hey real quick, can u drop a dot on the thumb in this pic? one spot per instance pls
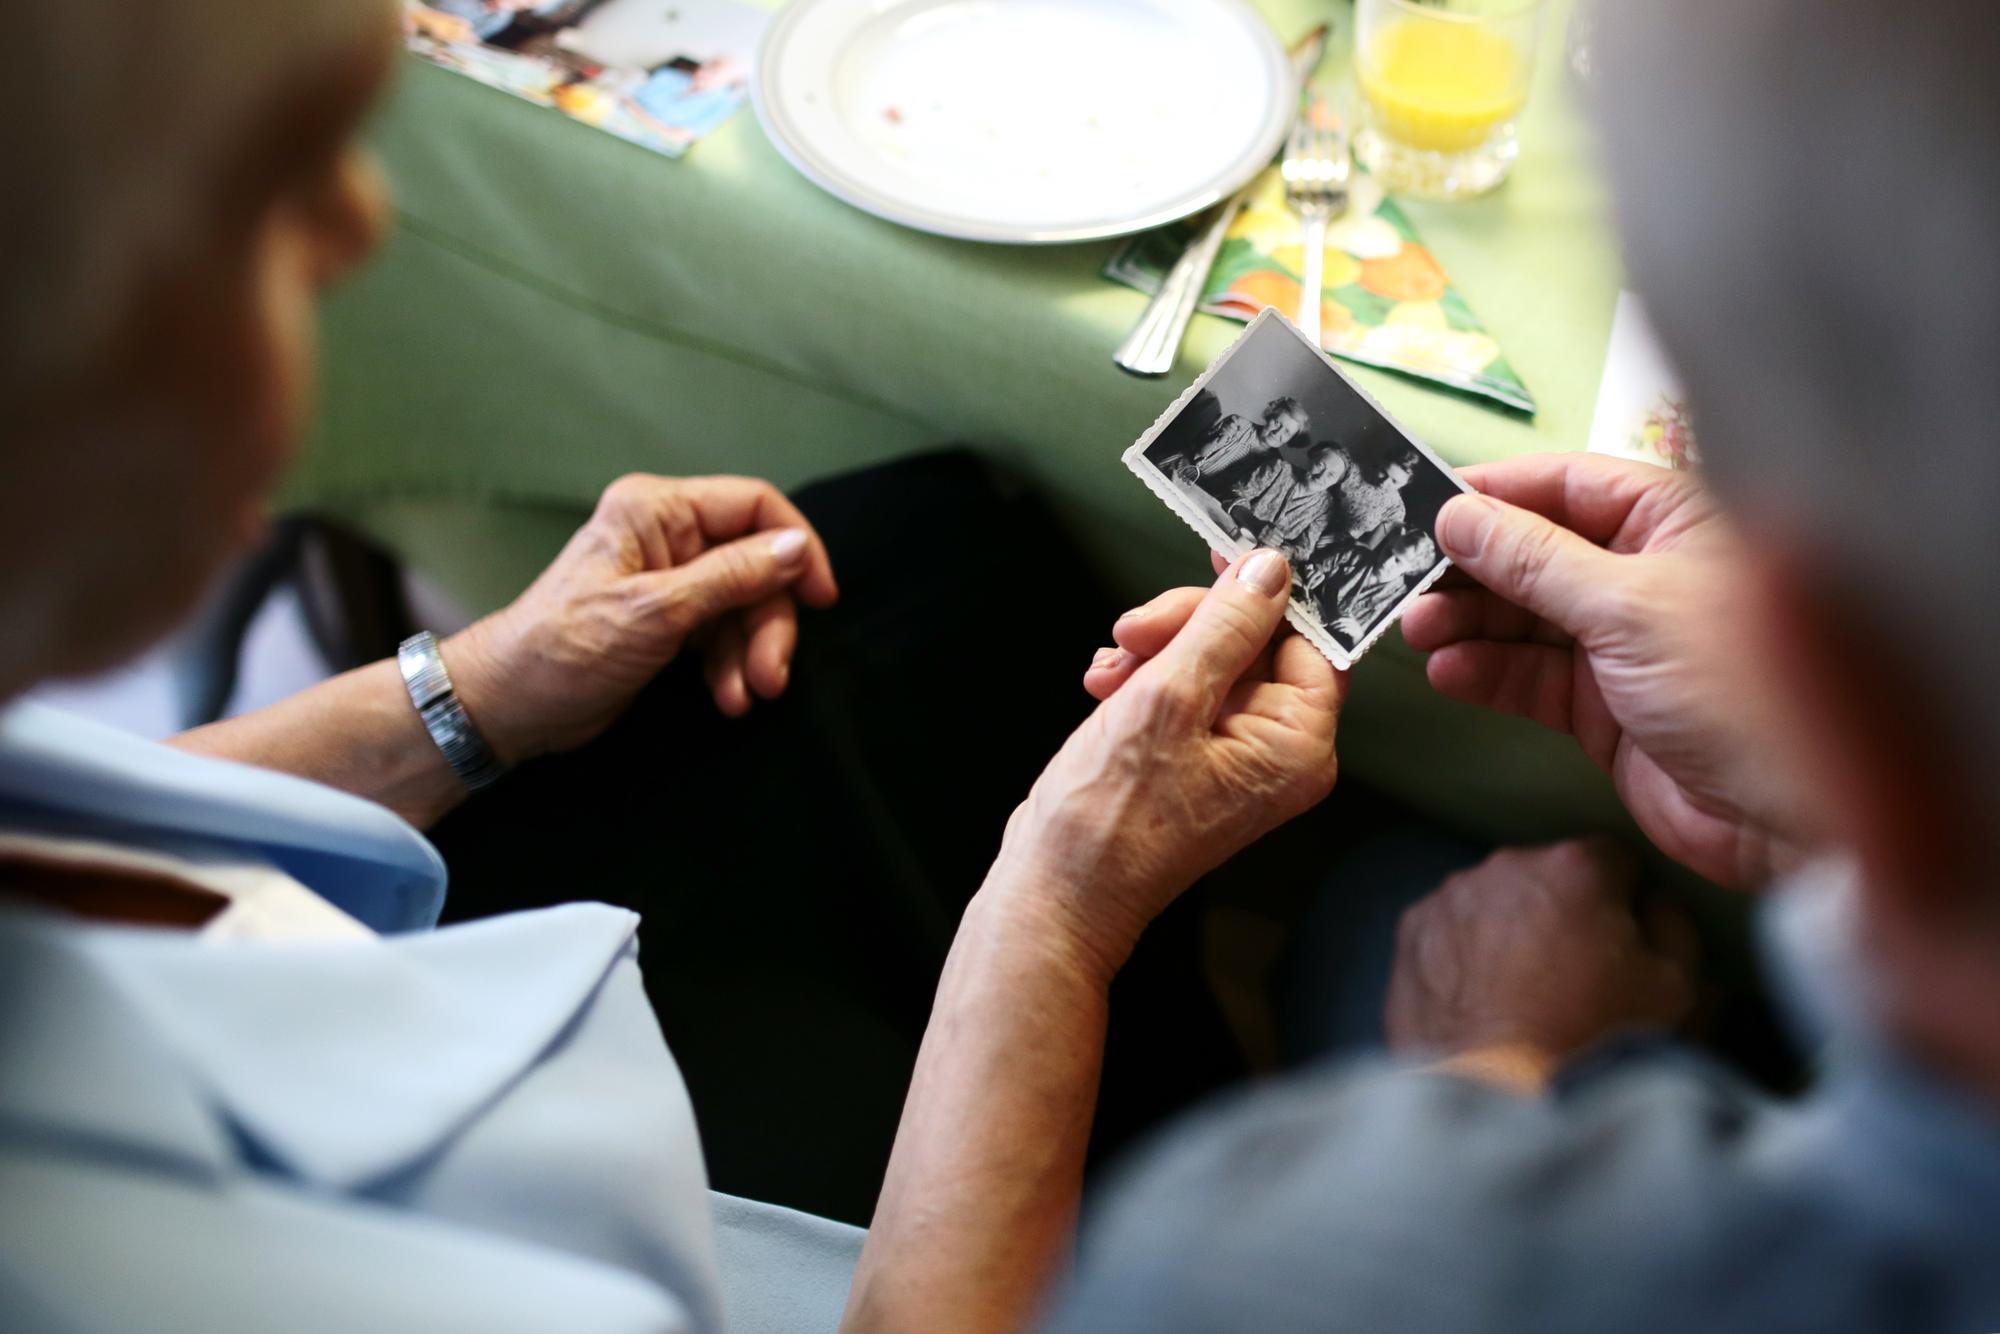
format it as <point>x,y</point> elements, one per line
<point>725,578</point>
<point>1228,628</point>
<point>1533,563</point>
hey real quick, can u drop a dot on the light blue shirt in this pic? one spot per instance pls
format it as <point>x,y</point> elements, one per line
<point>474,1128</point>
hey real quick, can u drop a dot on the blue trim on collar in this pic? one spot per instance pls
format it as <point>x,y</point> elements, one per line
<point>357,855</point>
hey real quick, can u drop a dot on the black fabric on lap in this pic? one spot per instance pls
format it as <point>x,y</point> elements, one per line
<point>801,870</point>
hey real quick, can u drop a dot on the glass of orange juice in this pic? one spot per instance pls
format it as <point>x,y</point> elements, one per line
<point>1441,82</point>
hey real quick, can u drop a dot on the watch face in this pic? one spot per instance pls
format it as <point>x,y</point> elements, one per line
<point>423,670</point>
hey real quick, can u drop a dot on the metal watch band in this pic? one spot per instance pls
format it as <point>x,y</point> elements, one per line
<point>444,717</point>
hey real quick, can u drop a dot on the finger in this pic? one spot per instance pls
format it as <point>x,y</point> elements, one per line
<point>1528,560</point>
<point>1533,680</point>
<point>730,577</point>
<point>1304,690</point>
<point>1299,667</point>
<point>1670,931</point>
<point>730,507</point>
<point>1137,636</point>
<point>1228,629</point>
<point>1303,685</point>
<point>653,512</point>
<point>772,629</point>
<point>1111,668</point>
<point>1599,865</point>
<point>676,518</point>
<point>1259,669</point>
<point>1446,616</point>
<point>1218,561</point>
<point>1258,673</point>
<point>1593,495</point>
<point>1148,629</point>
<point>1674,988</point>
<point>722,665</point>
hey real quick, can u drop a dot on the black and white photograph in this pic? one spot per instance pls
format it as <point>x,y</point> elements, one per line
<point>1274,446</point>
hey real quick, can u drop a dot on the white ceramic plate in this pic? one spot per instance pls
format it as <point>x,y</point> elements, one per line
<point>1025,121</point>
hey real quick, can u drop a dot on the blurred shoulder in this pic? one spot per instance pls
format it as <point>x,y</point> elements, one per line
<point>1378,1198</point>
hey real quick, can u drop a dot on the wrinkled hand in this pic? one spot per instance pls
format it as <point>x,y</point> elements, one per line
<point>1537,950</point>
<point>1210,733</point>
<point>1601,606</point>
<point>662,561</point>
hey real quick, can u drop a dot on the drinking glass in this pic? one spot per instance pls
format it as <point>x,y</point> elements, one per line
<point>1441,82</point>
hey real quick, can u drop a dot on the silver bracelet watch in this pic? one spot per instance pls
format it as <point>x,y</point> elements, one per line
<point>444,717</point>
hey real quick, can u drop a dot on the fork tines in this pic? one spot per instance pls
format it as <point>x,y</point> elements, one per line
<point>1315,165</point>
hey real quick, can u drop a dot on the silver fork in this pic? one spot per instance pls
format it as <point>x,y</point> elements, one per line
<point>1315,169</point>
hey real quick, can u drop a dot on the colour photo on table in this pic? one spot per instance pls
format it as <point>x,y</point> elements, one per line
<point>1274,447</point>
<point>660,75</point>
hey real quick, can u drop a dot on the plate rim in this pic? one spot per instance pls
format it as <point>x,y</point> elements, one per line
<point>783,136</point>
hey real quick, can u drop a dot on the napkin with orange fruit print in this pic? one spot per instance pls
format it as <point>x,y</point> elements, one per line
<point>1388,302</point>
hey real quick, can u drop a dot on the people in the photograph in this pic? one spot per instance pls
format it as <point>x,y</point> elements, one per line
<point>476,20</point>
<point>1355,585</point>
<point>1369,505</point>
<point>1235,445</point>
<point>1284,503</point>
<point>682,99</point>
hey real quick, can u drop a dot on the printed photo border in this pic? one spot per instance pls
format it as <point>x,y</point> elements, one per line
<point>1303,616</point>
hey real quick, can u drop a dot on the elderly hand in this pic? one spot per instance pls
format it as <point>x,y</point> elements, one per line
<point>1209,735</point>
<point>1538,953</point>
<point>1603,611</point>
<point>662,560</point>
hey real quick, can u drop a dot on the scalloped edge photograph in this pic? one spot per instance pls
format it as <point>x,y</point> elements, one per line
<point>1283,364</point>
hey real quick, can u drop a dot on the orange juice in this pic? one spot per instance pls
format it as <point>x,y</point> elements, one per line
<point>1440,86</point>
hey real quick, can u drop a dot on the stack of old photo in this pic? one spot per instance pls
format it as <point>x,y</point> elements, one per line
<point>1274,447</point>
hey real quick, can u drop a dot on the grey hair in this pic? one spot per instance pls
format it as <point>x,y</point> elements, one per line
<point>113,117</point>
<point>1810,196</point>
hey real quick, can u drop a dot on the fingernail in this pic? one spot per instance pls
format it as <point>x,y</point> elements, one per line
<point>788,547</point>
<point>1265,572</point>
<point>1136,611</point>
<point>1107,658</point>
<point>1463,524</point>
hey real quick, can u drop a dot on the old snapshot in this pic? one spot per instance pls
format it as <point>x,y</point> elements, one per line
<point>1274,447</point>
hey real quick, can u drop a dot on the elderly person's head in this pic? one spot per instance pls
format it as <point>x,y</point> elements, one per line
<point>1810,195</point>
<point>181,182</point>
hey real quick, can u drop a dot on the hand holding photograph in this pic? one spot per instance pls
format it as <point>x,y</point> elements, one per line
<point>1273,446</point>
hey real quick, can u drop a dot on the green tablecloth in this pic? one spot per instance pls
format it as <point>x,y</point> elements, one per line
<point>557,307</point>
